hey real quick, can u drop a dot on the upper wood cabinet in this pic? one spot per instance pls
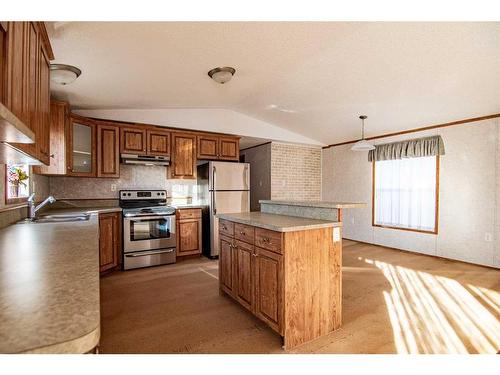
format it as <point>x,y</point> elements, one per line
<point>26,82</point>
<point>183,163</point>
<point>81,147</point>
<point>108,155</point>
<point>59,124</point>
<point>133,140</point>
<point>158,142</point>
<point>213,147</point>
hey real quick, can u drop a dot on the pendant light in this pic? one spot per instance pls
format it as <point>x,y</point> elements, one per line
<point>362,145</point>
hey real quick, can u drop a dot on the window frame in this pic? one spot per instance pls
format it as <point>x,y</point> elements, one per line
<point>17,200</point>
<point>436,211</point>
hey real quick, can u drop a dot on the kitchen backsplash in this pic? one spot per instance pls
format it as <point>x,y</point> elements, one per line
<point>131,177</point>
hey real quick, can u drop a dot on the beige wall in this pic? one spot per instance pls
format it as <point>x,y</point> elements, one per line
<point>131,177</point>
<point>295,172</point>
<point>469,195</point>
<point>260,173</point>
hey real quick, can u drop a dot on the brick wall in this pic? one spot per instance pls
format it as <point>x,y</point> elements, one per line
<point>295,172</point>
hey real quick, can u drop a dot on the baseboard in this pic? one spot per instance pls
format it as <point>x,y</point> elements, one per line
<point>428,255</point>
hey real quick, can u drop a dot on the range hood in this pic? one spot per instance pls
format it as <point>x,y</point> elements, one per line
<point>145,159</point>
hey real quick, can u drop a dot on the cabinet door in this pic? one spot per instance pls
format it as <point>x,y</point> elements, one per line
<point>133,141</point>
<point>244,254</point>
<point>158,142</point>
<point>43,107</point>
<point>226,263</point>
<point>183,156</point>
<point>59,123</point>
<point>16,78</point>
<point>81,148</point>
<point>208,147</point>
<point>108,153</point>
<point>229,148</point>
<point>109,241</point>
<point>269,287</point>
<point>189,233</point>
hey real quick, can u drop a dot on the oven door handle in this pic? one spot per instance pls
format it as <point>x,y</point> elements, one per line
<point>141,218</point>
<point>149,215</point>
<point>146,253</point>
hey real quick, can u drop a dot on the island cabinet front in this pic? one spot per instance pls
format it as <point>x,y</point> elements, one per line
<point>290,280</point>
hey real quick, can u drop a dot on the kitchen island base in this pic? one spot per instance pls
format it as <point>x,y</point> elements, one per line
<point>291,280</point>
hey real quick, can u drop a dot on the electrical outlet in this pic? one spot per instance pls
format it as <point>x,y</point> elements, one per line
<point>260,183</point>
<point>488,237</point>
<point>352,220</point>
<point>113,187</point>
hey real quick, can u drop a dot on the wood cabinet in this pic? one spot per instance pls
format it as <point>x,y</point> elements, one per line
<point>81,147</point>
<point>109,241</point>
<point>183,160</point>
<point>289,280</point>
<point>189,231</point>
<point>59,124</point>
<point>158,142</point>
<point>108,155</point>
<point>213,147</point>
<point>133,140</point>
<point>26,82</point>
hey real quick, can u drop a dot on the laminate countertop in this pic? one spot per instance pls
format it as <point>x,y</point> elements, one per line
<point>278,223</point>
<point>49,287</point>
<point>315,204</point>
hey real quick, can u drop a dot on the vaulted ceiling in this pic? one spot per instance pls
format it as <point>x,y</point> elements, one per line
<point>313,79</point>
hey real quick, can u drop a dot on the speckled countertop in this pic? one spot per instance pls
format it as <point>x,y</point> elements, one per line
<point>49,287</point>
<point>279,223</point>
<point>318,204</point>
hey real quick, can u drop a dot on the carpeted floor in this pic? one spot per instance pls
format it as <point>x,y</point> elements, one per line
<point>393,302</point>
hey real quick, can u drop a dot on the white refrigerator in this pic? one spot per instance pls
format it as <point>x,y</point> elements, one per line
<point>224,187</point>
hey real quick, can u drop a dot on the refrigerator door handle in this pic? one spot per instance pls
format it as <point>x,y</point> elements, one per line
<point>214,174</point>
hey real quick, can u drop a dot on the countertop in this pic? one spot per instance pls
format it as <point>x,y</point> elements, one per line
<point>278,223</point>
<point>318,204</point>
<point>49,287</point>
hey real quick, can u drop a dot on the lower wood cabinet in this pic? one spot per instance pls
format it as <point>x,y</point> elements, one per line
<point>109,241</point>
<point>189,231</point>
<point>290,280</point>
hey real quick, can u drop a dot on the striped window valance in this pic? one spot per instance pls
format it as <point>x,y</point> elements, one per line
<point>411,148</point>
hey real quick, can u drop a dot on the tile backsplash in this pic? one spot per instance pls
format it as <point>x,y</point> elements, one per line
<point>131,177</point>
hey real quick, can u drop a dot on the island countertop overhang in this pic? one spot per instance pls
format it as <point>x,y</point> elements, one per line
<point>315,204</point>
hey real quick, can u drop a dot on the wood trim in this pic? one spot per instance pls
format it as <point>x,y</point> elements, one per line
<point>436,207</point>
<point>44,37</point>
<point>459,122</point>
<point>423,254</point>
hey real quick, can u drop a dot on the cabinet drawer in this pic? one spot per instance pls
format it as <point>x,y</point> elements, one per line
<point>268,239</point>
<point>244,233</point>
<point>189,213</point>
<point>226,227</point>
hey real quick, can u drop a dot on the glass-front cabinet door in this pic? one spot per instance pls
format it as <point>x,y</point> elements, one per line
<point>81,148</point>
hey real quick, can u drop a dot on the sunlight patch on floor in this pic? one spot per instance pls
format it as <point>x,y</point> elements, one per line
<point>435,314</point>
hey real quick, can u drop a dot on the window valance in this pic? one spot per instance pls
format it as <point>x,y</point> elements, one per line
<point>411,148</point>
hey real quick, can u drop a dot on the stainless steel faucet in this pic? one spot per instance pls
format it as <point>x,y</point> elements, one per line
<point>32,209</point>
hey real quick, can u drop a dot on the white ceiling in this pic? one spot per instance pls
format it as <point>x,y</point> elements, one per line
<point>313,79</point>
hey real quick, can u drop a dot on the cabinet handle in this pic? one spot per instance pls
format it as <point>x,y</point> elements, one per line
<point>52,156</point>
<point>224,227</point>
<point>242,233</point>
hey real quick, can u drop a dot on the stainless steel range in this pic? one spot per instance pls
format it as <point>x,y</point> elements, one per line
<point>148,228</point>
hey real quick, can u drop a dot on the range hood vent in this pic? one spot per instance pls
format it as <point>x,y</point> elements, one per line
<point>145,159</point>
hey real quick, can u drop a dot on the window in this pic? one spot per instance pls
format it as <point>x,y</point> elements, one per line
<point>405,193</point>
<point>16,183</point>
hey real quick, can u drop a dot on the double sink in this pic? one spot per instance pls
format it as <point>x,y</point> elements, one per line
<point>61,218</point>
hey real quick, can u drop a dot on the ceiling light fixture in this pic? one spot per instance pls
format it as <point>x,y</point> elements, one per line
<point>63,74</point>
<point>363,144</point>
<point>222,74</point>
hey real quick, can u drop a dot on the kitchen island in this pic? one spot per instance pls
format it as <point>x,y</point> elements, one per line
<point>285,270</point>
<point>49,289</point>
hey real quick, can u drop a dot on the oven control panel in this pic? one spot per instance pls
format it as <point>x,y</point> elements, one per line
<point>142,194</point>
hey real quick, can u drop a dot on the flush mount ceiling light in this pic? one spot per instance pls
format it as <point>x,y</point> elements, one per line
<point>63,74</point>
<point>362,145</point>
<point>222,74</point>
